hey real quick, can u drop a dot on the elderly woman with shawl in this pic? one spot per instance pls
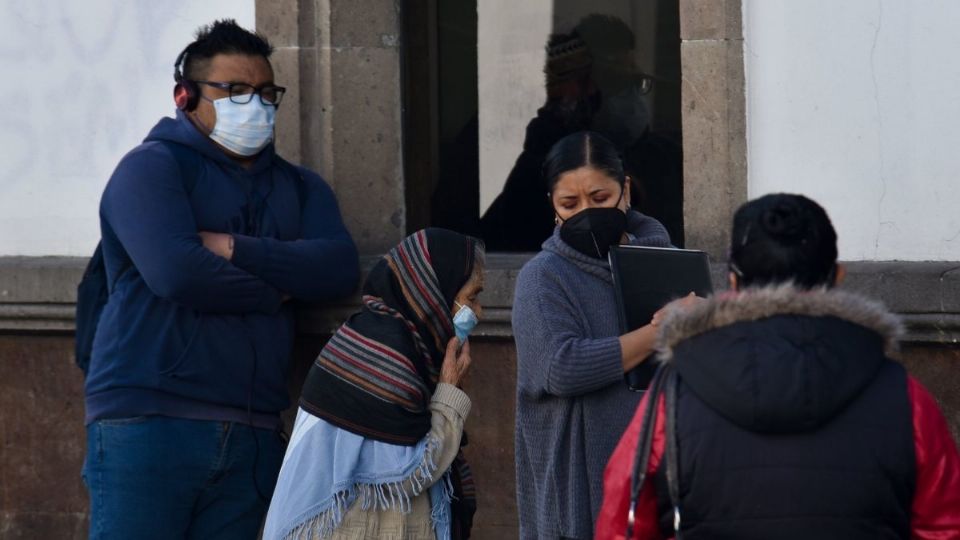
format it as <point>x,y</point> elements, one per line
<point>375,450</point>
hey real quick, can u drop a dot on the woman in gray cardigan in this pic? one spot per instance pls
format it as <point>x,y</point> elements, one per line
<point>572,402</point>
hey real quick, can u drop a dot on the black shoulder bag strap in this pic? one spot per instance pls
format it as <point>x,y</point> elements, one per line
<point>642,460</point>
<point>671,454</point>
<point>664,382</point>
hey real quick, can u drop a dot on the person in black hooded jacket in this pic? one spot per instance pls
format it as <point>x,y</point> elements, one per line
<point>787,416</point>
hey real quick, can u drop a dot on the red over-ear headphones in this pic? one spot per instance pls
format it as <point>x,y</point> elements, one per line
<point>186,94</point>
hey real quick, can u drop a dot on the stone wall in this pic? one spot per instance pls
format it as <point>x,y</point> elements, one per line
<point>42,439</point>
<point>714,121</point>
<point>343,117</point>
<point>43,442</point>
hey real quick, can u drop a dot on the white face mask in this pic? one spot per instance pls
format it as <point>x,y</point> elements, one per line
<point>243,129</point>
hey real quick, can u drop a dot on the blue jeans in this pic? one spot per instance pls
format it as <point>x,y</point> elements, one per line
<point>159,477</point>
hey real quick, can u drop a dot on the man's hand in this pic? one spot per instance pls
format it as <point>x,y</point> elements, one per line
<point>219,243</point>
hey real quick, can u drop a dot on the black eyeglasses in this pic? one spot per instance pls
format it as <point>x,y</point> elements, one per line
<point>242,93</point>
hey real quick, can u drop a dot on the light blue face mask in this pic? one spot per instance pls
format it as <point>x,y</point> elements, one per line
<point>244,129</point>
<point>464,322</point>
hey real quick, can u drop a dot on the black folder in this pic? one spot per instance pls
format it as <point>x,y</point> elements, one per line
<point>646,279</point>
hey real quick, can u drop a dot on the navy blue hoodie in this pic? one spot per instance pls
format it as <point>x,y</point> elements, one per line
<point>185,332</point>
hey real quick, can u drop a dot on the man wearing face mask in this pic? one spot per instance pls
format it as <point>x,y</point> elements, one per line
<point>207,233</point>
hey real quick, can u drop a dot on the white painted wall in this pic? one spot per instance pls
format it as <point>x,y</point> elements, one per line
<point>83,84</point>
<point>857,105</point>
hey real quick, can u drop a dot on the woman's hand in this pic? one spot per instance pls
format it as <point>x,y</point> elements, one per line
<point>684,303</point>
<point>638,345</point>
<point>455,366</point>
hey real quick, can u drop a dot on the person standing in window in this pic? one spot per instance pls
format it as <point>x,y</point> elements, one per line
<point>519,219</point>
<point>592,83</point>
<point>572,402</point>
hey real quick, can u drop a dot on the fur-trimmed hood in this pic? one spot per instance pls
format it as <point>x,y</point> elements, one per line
<point>779,359</point>
<point>753,304</point>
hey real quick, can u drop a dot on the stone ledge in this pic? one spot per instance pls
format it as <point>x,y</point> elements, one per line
<point>930,328</point>
<point>37,318</point>
<point>37,295</point>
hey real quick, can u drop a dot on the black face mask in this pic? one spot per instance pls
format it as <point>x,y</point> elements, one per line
<point>594,230</point>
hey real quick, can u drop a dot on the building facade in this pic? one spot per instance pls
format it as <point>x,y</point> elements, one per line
<point>765,96</point>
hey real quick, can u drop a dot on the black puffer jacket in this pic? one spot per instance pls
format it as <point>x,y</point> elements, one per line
<point>780,387</point>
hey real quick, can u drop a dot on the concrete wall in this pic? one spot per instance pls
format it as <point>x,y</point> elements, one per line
<point>714,127</point>
<point>42,440</point>
<point>41,401</point>
<point>85,81</point>
<point>341,61</point>
<point>344,115</point>
<point>854,104</point>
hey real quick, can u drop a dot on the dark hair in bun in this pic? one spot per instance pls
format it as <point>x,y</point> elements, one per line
<point>783,238</point>
<point>583,148</point>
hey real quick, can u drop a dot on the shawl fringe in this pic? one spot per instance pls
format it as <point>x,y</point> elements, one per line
<point>396,495</point>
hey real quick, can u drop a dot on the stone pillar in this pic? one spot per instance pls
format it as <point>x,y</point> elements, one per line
<point>340,60</point>
<point>714,121</point>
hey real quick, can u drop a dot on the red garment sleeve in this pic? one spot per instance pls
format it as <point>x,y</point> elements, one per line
<point>936,503</point>
<point>612,519</point>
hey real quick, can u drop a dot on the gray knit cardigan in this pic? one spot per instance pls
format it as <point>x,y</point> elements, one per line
<point>572,402</point>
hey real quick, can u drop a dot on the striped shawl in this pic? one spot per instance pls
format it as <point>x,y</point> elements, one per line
<point>376,375</point>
